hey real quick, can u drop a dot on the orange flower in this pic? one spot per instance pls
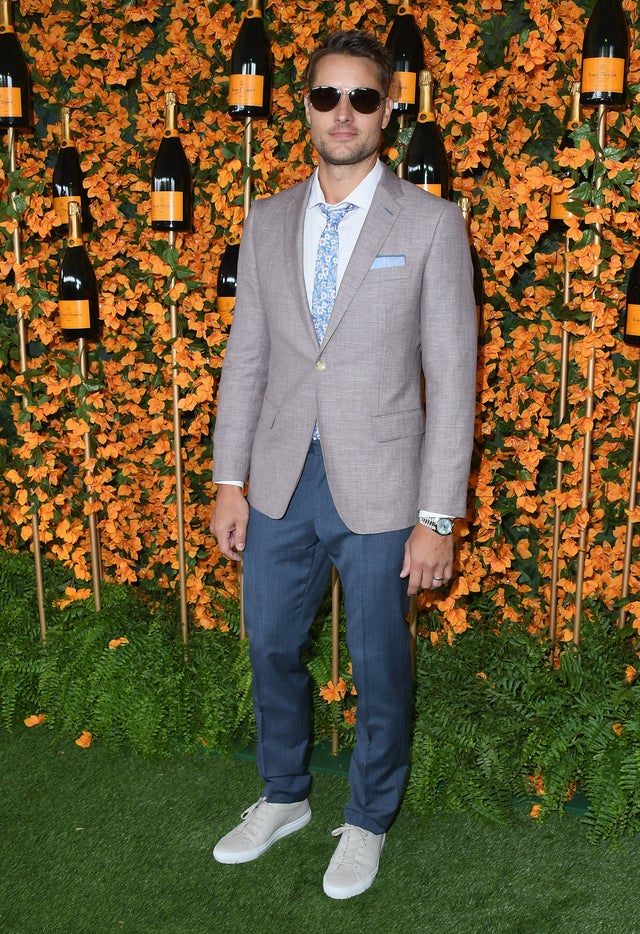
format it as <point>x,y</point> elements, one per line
<point>617,728</point>
<point>114,643</point>
<point>84,740</point>
<point>575,158</point>
<point>523,548</point>
<point>332,693</point>
<point>537,783</point>
<point>535,811</point>
<point>630,672</point>
<point>35,719</point>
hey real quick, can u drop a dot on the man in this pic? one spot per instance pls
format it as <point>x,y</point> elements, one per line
<point>320,406</point>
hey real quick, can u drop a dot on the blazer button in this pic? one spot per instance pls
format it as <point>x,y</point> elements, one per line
<point>321,365</point>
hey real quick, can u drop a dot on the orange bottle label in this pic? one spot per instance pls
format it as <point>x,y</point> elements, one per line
<point>432,189</point>
<point>246,90</point>
<point>61,207</point>
<point>10,102</point>
<point>403,87</point>
<point>166,206</point>
<point>558,210</point>
<point>632,327</point>
<point>74,314</point>
<point>225,305</point>
<point>603,74</point>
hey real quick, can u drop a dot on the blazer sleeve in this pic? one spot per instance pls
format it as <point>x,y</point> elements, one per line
<point>245,369</point>
<point>449,361</point>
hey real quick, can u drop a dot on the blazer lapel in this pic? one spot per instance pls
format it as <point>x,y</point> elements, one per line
<point>294,224</point>
<point>382,215</point>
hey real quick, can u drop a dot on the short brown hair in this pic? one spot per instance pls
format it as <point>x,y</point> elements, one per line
<point>359,44</point>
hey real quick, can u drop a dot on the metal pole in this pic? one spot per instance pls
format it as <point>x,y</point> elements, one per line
<point>248,140</point>
<point>22,341</point>
<point>401,125</point>
<point>633,489</point>
<point>94,539</point>
<point>562,410</point>
<point>335,643</point>
<point>588,438</point>
<point>177,448</point>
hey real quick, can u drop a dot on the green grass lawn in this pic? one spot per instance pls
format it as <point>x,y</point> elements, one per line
<point>95,841</point>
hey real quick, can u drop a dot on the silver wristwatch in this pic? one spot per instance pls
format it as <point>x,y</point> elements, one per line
<point>441,526</point>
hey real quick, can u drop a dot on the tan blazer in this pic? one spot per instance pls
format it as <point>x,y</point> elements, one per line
<point>405,305</point>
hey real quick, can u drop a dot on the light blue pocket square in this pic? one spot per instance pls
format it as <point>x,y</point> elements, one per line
<point>383,262</point>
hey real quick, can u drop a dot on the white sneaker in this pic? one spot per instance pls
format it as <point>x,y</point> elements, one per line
<point>261,825</point>
<point>354,865</point>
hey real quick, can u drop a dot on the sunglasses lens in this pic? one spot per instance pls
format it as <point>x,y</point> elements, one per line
<point>364,100</point>
<point>324,99</point>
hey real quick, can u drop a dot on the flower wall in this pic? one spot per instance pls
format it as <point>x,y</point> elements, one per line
<point>504,72</point>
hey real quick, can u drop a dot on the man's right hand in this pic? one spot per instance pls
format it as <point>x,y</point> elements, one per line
<point>229,520</point>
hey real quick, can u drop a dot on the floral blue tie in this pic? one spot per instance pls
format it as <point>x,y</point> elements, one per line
<point>326,272</point>
<point>325,281</point>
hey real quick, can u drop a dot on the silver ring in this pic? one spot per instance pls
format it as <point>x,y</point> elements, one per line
<point>438,578</point>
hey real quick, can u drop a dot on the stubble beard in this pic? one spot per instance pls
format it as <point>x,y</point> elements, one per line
<point>365,150</point>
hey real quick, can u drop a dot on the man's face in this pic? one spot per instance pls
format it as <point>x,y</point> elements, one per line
<point>343,136</point>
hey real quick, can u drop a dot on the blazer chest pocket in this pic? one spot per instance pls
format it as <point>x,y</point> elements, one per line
<point>381,274</point>
<point>398,425</point>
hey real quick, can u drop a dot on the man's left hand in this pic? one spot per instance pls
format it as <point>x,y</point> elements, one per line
<point>428,559</point>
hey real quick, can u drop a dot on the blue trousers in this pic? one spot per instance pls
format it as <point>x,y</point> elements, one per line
<point>287,564</point>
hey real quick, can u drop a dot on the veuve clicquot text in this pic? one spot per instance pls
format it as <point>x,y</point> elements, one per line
<point>559,214</point>
<point>77,286</point>
<point>406,48</point>
<point>227,282</point>
<point>250,80</point>
<point>632,311</point>
<point>68,180</point>
<point>171,177</point>
<point>15,81</point>
<point>605,54</point>
<point>427,163</point>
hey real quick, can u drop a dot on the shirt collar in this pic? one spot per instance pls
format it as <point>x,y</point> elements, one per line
<point>361,196</point>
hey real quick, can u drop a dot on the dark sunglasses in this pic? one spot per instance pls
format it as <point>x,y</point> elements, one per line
<point>364,100</point>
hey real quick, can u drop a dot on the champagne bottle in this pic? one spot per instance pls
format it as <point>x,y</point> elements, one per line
<point>68,180</point>
<point>632,316</point>
<point>77,286</point>
<point>427,163</point>
<point>405,45</point>
<point>15,81</point>
<point>478,284</point>
<point>227,281</point>
<point>558,213</point>
<point>250,81</point>
<point>605,54</point>
<point>171,177</point>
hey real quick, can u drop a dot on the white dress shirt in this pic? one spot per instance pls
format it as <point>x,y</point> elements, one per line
<point>348,231</point>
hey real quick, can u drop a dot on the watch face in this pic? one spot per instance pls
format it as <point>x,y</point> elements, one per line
<point>444,526</point>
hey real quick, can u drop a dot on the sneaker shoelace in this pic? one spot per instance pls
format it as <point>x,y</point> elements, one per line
<point>254,817</point>
<point>354,844</point>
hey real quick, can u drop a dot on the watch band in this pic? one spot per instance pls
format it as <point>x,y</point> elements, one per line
<point>442,526</point>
